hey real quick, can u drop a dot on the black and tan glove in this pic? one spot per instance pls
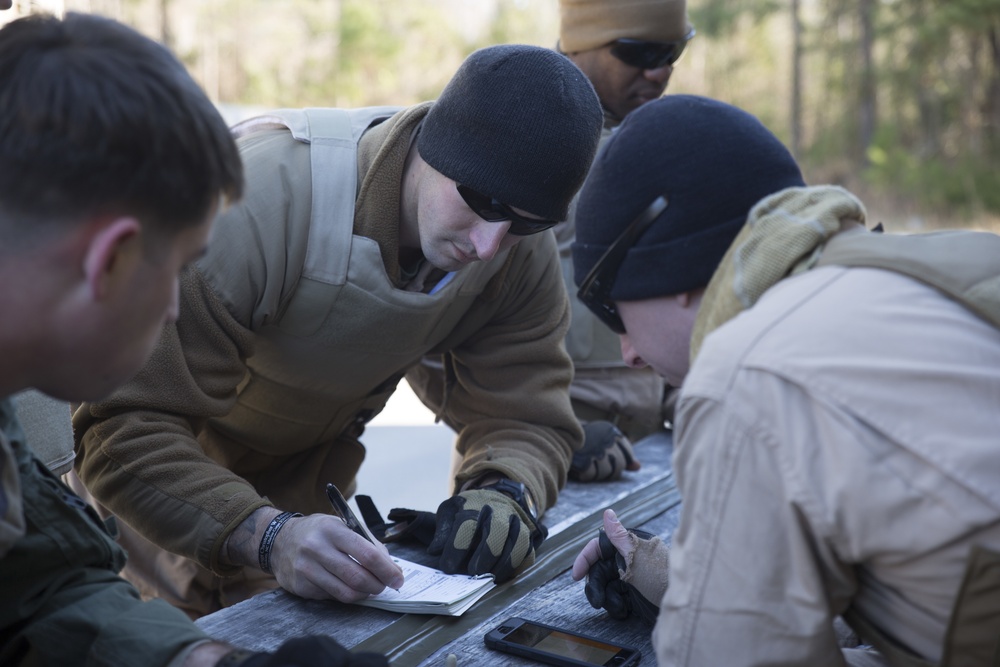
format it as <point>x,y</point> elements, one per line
<point>610,583</point>
<point>483,530</point>
<point>403,524</point>
<point>606,452</point>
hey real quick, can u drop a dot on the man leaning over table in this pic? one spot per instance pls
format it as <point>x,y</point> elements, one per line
<point>368,238</point>
<point>836,443</point>
<point>627,49</point>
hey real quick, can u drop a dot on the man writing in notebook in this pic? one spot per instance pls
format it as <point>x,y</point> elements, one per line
<point>368,238</point>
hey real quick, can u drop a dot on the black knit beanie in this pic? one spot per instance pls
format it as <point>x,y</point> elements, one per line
<point>517,123</point>
<point>711,162</point>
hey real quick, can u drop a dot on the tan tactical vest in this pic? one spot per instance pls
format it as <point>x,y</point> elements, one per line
<point>965,266</point>
<point>333,354</point>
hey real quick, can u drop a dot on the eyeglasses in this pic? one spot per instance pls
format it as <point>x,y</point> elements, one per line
<point>595,291</point>
<point>649,55</point>
<point>490,210</point>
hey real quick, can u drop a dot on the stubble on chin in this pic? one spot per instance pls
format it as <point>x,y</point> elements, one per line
<point>442,261</point>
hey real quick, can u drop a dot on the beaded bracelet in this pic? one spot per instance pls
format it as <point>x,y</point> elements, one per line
<point>266,542</point>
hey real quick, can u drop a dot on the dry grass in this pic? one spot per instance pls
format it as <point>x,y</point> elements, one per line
<point>903,214</point>
<point>899,215</point>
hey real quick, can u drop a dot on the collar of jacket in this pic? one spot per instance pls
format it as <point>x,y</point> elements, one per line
<point>782,231</point>
<point>610,120</point>
<point>381,155</point>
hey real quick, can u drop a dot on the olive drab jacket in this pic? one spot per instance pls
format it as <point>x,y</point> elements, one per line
<point>63,601</point>
<point>294,331</point>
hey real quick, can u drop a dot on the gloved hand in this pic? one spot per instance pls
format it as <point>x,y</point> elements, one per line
<point>606,452</point>
<point>406,524</point>
<point>311,651</point>
<point>616,579</point>
<point>482,530</point>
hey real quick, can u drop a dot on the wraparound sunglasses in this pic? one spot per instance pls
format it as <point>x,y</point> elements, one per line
<point>595,290</point>
<point>490,210</point>
<point>649,55</point>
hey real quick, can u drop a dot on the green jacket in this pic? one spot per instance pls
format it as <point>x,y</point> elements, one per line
<point>63,602</point>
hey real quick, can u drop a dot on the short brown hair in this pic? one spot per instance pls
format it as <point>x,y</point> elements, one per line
<point>95,118</point>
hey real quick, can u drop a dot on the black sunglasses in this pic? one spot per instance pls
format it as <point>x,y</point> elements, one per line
<point>490,210</point>
<point>595,291</point>
<point>649,55</point>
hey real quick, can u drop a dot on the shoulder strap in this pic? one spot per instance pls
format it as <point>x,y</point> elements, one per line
<point>964,265</point>
<point>973,636</point>
<point>12,525</point>
<point>333,135</point>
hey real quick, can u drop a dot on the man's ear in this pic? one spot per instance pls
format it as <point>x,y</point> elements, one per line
<point>691,298</point>
<point>113,248</point>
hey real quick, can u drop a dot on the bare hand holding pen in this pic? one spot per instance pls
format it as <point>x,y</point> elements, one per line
<point>316,556</point>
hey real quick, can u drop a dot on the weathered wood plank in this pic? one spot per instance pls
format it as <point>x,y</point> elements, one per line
<point>545,592</point>
<point>562,603</point>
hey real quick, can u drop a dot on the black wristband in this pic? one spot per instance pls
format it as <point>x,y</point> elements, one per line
<point>266,542</point>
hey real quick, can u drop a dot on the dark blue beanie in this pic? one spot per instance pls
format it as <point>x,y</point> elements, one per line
<point>712,163</point>
<point>519,123</point>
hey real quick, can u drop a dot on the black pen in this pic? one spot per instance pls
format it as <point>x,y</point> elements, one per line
<point>343,510</point>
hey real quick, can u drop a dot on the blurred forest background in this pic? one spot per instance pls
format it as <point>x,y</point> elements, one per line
<point>898,100</point>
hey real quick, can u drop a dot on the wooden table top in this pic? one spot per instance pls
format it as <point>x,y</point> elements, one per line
<point>545,592</point>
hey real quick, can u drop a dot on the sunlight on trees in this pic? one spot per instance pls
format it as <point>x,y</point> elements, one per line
<point>900,97</point>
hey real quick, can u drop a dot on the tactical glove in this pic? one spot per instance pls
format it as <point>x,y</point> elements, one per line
<point>481,531</point>
<point>406,524</point>
<point>311,651</point>
<point>605,588</point>
<point>605,454</point>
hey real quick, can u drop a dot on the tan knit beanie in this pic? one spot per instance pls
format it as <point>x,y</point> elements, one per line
<point>588,24</point>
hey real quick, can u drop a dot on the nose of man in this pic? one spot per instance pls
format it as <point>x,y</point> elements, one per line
<point>486,238</point>
<point>629,355</point>
<point>660,75</point>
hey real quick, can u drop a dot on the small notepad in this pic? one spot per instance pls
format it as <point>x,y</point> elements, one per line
<point>429,591</point>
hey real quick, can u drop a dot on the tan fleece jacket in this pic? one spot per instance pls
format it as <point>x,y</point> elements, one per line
<point>175,455</point>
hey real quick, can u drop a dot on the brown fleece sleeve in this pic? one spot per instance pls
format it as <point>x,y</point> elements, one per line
<point>137,450</point>
<point>510,399</point>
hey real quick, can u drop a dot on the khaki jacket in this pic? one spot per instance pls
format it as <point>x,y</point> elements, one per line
<point>827,462</point>
<point>285,347</point>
